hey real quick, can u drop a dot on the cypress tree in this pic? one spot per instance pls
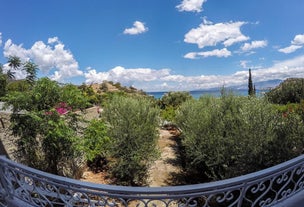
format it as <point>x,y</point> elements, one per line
<point>250,85</point>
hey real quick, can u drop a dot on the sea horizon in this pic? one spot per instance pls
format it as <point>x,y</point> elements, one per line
<point>212,92</point>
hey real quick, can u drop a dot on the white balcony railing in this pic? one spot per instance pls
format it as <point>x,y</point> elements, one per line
<point>281,185</point>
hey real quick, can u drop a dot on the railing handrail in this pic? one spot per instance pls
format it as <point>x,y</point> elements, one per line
<point>182,188</point>
<point>287,173</point>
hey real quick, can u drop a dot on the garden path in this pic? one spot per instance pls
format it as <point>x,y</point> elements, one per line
<point>165,169</point>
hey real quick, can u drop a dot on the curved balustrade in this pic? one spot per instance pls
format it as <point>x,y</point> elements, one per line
<point>24,186</point>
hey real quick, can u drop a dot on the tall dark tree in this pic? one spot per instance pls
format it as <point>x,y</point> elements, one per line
<point>251,89</point>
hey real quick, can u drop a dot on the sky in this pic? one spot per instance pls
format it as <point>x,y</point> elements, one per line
<point>156,45</point>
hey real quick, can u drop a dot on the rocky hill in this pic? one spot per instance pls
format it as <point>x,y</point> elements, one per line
<point>109,86</point>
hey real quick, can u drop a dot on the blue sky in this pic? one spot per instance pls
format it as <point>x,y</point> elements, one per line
<point>156,45</point>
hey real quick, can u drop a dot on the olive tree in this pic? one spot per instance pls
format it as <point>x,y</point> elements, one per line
<point>132,127</point>
<point>230,136</point>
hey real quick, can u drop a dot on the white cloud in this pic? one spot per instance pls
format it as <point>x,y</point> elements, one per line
<point>125,76</point>
<point>52,40</point>
<point>138,28</point>
<point>218,53</point>
<point>191,5</point>
<point>296,43</point>
<point>149,79</point>
<point>298,40</point>
<point>208,34</point>
<point>47,57</point>
<point>290,49</point>
<point>253,45</point>
<point>11,49</point>
<point>244,63</point>
<point>0,39</point>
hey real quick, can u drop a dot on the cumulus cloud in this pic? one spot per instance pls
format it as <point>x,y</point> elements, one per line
<point>47,57</point>
<point>125,76</point>
<point>149,79</point>
<point>0,39</point>
<point>290,49</point>
<point>208,34</point>
<point>11,49</point>
<point>138,28</point>
<point>217,53</point>
<point>298,40</point>
<point>191,5</point>
<point>296,43</point>
<point>253,45</point>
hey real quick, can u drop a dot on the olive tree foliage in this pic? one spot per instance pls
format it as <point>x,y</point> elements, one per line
<point>44,121</point>
<point>132,125</point>
<point>170,101</point>
<point>231,135</point>
<point>174,99</point>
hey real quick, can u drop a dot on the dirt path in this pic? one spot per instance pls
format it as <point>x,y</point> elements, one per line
<point>163,171</point>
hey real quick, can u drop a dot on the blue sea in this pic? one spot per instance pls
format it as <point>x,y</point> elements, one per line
<point>215,93</point>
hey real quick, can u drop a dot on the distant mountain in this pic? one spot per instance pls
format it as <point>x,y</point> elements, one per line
<point>262,85</point>
<point>268,84</point>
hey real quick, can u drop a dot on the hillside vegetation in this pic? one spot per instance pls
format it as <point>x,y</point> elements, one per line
<point>289,91</point>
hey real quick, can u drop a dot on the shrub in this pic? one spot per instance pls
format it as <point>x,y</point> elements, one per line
<point>289,91</point>
<point>174,99</point>
<point>170,102</point>
<point>95,141</point>
<point>230,136</point>
<point>133,125</point>
<point>48,132</point>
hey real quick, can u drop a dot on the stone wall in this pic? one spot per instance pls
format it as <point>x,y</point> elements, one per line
<point>8,145</point>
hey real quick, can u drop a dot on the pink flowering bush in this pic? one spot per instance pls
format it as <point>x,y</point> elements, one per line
<point>63,108</point>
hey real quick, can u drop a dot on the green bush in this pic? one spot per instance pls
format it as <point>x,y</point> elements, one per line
<point>289,91</point>
<point>48,131</point>
<point>95,141</point>
<point>133,125</point>
<point>230,136</point>
<point>174,99</point>
<point>73,96</point>
<point>169,103</point>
